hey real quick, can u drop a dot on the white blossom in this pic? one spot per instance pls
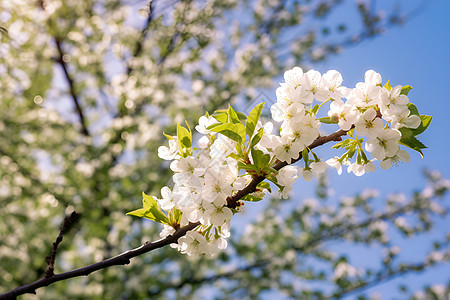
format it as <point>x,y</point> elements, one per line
<point>385,144</point>
<point>368,124</point>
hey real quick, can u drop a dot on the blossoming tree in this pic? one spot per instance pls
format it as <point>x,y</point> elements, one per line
<point>87,88</point>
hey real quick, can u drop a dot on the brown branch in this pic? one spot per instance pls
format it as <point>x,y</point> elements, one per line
<point>69,79</point>
<point>251,187</point>
<point>124,258</point>
<point>144,32</point>
<point>121,259</point>
<point>69,221</point>
<point>381,278</point>
<point>62,63</point>
<point>319,237</point>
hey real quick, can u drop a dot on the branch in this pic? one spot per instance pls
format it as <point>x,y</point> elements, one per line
<point>212,278</point>
<point>124,258</point>
<point>330,234</point>
<point>69,79</point>
<point>69,221</point>
<point>121,259</point>
<point>144,32</point>
<point>251,187</point>
<point>386,276</point>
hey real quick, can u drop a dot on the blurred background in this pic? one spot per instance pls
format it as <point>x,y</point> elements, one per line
<point>88,87</point>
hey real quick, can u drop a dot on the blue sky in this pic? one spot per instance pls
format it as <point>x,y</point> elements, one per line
<point>415,54</point>
<point>418,54</point>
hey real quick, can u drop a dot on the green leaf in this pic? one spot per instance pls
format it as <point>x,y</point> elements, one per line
<point>260,159</point>
<point>388,85</point>
<point>264,185</point>
<point>405,90</point>
<point>242,116</point>
<point>315,109</point>
<point>274,180</point>
<point>239,150</point>
<point>351,131</point>
<point>184,138</point>
<point>409,134</point>
<point>232,115</point>
<point>343,144</point>
<point>257,156</point>
<point>273,170</point>
<point>169,137</point>
<point>253,118</point>
<point>213,125</point>
<point>236,132</point>
<point>246,167</point>
<point>411,142</point>
<point>265,160</point>
<point>305,155</point>
<point>234,155</point>
<point>138,212</point>
<point>222,117</point>
<point>251,198</point>
<point>257,138</point>
<point>175,216</point>
<point>150,211</point>
<point>327,120</point>
<point>413,109</point>
<point>425,120</point>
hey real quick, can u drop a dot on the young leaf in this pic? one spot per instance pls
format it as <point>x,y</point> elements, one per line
<point>213,125</point>
<point>257,137</point>
<point>388,85</point>
<point>169,137</point>
<point>150,211</point>
<point>184,138</point>
<point>410,141</point>
<point>257,157</point>
<point>345,143</point>
<point>315,109</point>
<point>236,132</point>
<point>405,90</point>
<point>242,116</point>
<point>260,159</point>
<point>264,185</point>
<point>222,117</point>
<point>413,109</point>
<point>253,118</point>
<point>425,120</point>
<point>245,167</point>
<point>327,120</point>
<point>174,216</point>
<point>232,115</point>
<point>251,198</point>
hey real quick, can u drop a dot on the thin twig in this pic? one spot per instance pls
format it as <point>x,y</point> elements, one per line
<point>139,43</point>
<point>69,221</point>
<point>121,259</point>
<point>73,93</point>
<point>62,63</point>
<point>124,258</point>
<point>251,187</point>
<point>333,233</point>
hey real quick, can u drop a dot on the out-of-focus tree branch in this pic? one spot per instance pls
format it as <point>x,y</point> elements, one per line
<point>124,258</point>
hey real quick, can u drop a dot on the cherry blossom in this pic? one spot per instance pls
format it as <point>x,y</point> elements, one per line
<point>205,179</point>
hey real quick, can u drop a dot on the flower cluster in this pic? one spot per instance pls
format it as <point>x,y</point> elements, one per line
<point>235,149</point>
